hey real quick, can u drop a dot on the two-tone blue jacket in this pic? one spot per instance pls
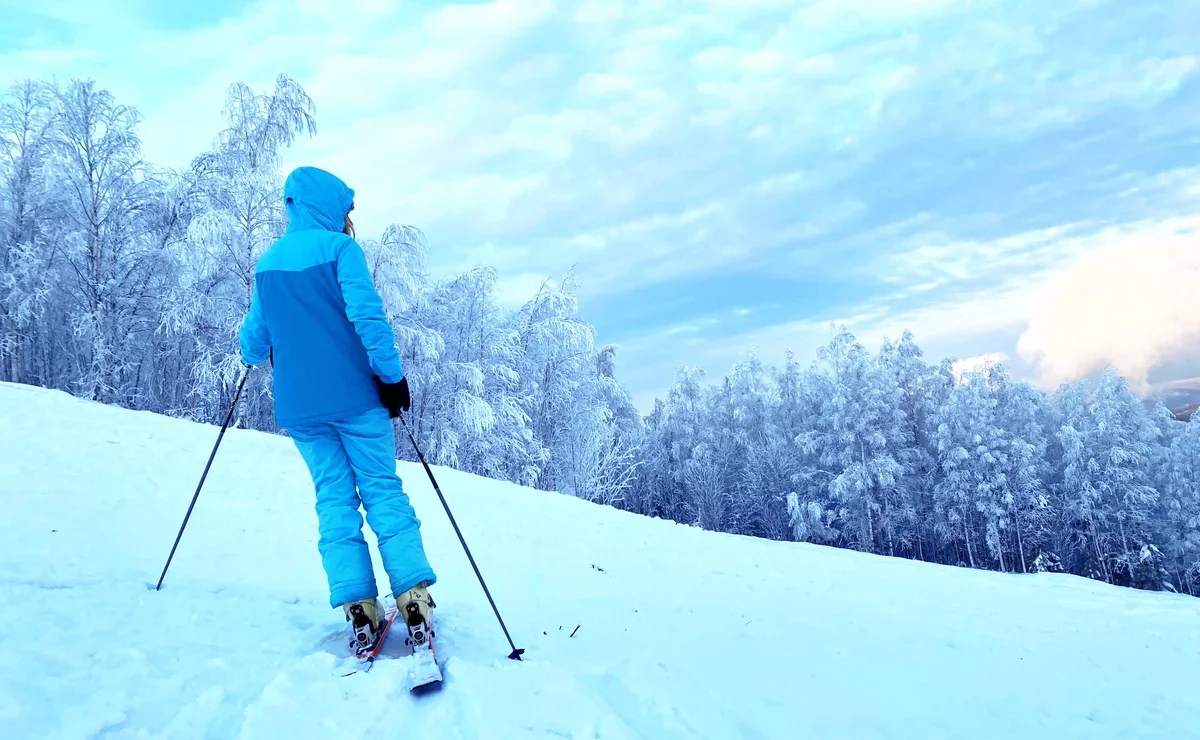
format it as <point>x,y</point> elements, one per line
<point>315,312</point>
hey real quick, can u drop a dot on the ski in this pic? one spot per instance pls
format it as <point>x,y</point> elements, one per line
<point>364,657</point>
<point>424,673</point>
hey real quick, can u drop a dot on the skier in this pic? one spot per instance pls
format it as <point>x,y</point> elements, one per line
<point>316,316</point>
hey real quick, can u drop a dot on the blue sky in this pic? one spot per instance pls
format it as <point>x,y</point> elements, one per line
<point>1017,178</point>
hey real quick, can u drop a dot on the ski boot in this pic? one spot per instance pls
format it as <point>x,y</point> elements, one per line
<point>366,618</point>
<point>415,607</point>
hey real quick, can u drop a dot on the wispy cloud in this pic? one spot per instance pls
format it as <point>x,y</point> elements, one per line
<point>923,163</point>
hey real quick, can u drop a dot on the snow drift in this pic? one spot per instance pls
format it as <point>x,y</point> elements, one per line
<point>681,632</point>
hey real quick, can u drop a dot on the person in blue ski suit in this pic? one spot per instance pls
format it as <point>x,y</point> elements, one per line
<point>338,382</point>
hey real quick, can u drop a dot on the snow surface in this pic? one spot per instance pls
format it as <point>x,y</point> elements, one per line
<point>682,633</point>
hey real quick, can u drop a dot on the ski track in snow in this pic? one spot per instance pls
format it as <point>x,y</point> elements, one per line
<point>241,642</point>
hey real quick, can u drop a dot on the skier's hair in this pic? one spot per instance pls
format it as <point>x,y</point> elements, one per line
<point>348,229</point>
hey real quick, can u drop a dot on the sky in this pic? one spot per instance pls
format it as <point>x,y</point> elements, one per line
<point>1017,180</point>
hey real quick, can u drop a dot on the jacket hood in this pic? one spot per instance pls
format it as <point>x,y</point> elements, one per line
<point>316,199</point>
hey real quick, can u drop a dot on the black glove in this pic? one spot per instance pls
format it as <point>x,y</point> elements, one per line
<point>395,396</point>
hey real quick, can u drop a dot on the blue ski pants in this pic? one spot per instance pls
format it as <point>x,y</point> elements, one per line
<point>352,462</point>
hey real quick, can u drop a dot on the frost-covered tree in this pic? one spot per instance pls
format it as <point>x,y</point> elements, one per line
<point>764,457</point>
<point>973,460</point>
<point>555,354</point>
<point>1106,497</point>
<point>858,437</point>
<point>1028,512</point>
<point>461,377</point>
<point>237,188</point>
<point>918,383</point>
<point>673,431</point>
<point>398,264</point>
<point>112,261</point>
<point>1180,501</point>
<point>1077,499</point>
<point>811,513</point>
<point>27,117</point>
<point>597,446</point>
<point>1122,445</point>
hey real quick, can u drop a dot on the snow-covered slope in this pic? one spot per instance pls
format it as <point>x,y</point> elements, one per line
<point>682,633</point>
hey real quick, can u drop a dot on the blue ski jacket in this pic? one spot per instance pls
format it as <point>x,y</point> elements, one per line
<point>315,312</point>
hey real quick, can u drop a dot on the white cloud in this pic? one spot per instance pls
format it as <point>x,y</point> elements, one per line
<point>514,291</point>
<point>604,84</point>
<point>83,11</point>
<point>495,19</point>
<point>789,182</point>
<point>715,57</point>
<point>1130,304</point>
<point>986,312</point>
<point>762,60</point>
<point>334,11</point>
<point>838,11</point>
<point>817,65</point>
<point>599,11</point>
<point>933,258</point>
<point>50,59</point>
<point>745,5</point>
<point>1166,75</point>
<point>978,363</point>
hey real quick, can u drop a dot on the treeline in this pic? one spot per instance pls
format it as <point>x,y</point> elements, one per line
<point>125,283</point>
<point>888,454</point>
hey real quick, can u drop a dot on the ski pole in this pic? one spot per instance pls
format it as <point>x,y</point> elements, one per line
<point>228,417</point>
<point>516,652</point>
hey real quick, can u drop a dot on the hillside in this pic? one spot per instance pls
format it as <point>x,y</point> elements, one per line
<point>682,633</point>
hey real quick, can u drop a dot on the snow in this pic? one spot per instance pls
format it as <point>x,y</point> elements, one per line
<point>682,632</point>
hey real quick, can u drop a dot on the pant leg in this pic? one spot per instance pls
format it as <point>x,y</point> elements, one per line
<point>344,552</point>
<point>370,444</point>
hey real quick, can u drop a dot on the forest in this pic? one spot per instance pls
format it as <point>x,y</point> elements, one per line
<point>126,283</point>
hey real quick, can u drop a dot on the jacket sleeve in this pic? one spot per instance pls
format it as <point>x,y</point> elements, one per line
<point>364,308</point>
<point>254,338</point>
